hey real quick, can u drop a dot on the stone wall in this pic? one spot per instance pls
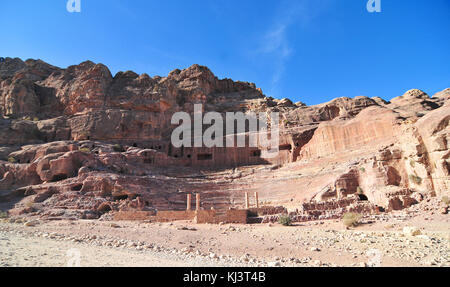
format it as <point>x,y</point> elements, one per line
<point>267,210</point>
<point>199,217</point>
<point>167,216</point>
<point>133,215</point>
<point>205,216</point>
<point>237,216</point>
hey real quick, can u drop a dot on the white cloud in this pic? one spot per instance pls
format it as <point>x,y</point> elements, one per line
<point>275,42</point>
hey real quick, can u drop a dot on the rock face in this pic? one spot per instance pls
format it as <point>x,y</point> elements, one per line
<point>80,142</point>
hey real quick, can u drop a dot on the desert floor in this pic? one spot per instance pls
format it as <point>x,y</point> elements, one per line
<point>322,243</point>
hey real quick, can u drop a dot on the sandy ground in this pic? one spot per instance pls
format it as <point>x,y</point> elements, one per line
<point>21,249</point>
<point>327,243</point>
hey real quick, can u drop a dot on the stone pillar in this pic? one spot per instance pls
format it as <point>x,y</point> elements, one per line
<point>256,199</point>
<point>247,203</point>
<point>189,199</point>
<point>197,201</point>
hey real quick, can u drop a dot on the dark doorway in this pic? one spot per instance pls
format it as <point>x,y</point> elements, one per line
<point>362,197</point>
<point>204,156</point>
<point>59,177</point>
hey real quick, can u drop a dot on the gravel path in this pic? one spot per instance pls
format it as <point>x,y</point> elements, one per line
<point>186,244</point>
<point>18,248</point>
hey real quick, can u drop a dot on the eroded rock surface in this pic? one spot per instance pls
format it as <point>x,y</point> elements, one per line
<point>80,143</point>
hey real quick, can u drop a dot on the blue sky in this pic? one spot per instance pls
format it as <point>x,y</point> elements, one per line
<point>306,50</point>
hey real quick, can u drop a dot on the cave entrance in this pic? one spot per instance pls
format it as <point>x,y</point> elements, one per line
<point>205,156</point>
<point>285,147</point>
<point>59,177</point>
<point>77,187</point>
<point>104,208</point>
<point>256,153</point>
<point>362,197</point>
<point>120,197</point>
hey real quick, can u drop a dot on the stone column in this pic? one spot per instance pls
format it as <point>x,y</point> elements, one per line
<point>197,201</point>
<point>189,198</point>
<point>247,203</point>
<point>256,199</point>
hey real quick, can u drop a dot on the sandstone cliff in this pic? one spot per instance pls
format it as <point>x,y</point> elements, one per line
<point>79,142</point>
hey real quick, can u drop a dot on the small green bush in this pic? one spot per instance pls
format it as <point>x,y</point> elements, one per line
<point>118,148</point>
<point>416,179</point>
<point>446,200</point>
<point>3,214</point>
<point>84,135</point>
<point>85,149</point>
<point>12,160</point>
<point>362,169</point>
<point>351,219</point>
<point>412,163</point>
<point>29,204</point>
<point>359,190</point>
<point>285,220</point>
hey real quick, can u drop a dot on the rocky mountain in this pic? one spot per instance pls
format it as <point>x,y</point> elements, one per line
<point>80,142</point>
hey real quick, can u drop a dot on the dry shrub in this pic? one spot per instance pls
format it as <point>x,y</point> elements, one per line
<point>416,179</point>
<point>285,220</point>
<point>118,148</point>
<point>3,214</point>
<point>446,200</point>
<point>351,219</point>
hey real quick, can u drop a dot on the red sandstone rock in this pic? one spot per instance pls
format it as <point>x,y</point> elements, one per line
<point>81,142</point>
